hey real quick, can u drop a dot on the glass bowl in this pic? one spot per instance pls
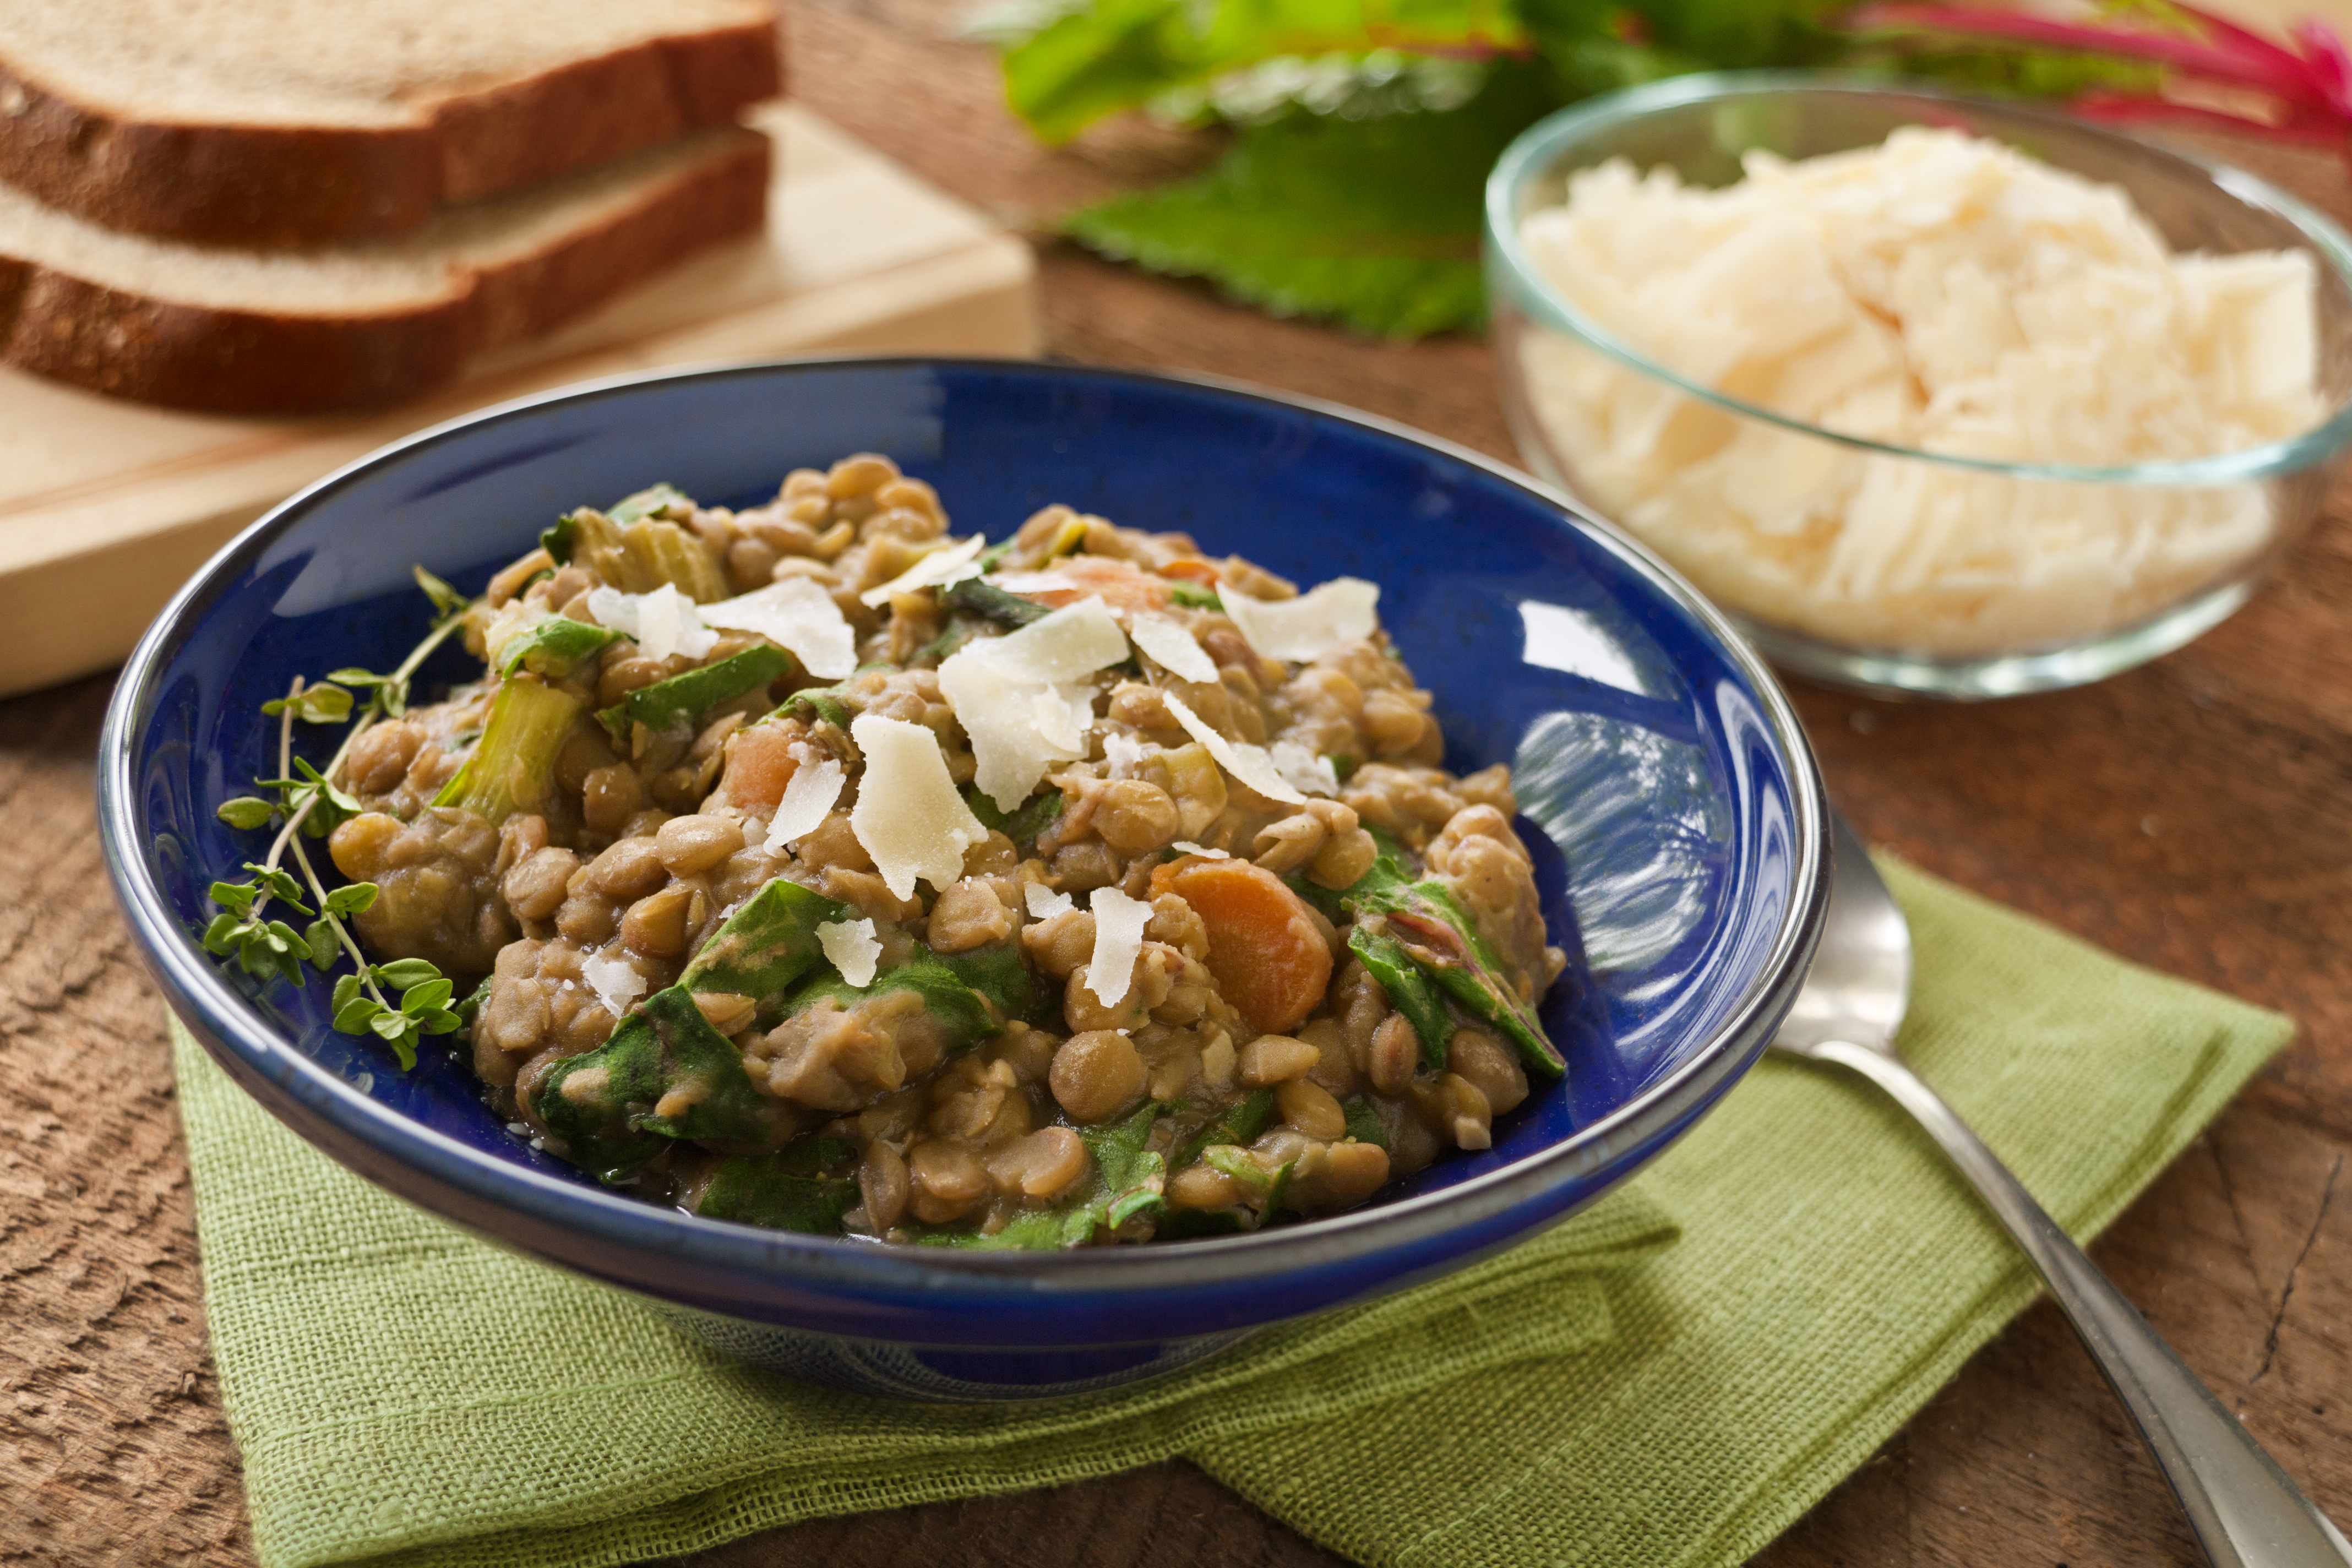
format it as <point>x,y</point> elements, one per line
<point>1947,633</point>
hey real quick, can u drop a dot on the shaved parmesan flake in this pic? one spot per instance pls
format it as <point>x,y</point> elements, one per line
<point>1119,942</point>
<point>799,618</point>
<point>908,816</point>
<point>1203,851</point>
<point>1022,700</point>
<point>1075,640</point>
<point>663,622</point>
<point>809,796</point>
<point>1312,625</point>
<point>1179,652</point>
<point>1303,769</point>
<point>1249,764</point>
<point>1943,293</point>
<point>950,563</point>
<point>1044,902</point>
<point>615,981</point>
<point>851,947</point>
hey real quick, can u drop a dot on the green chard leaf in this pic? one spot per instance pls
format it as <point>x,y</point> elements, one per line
<point>1410,989</point>
<point>1024,824</point>
<point>986,599</point>
<point>1193,596</point>
<point>1375,222</point>
<point>767,944</point>
<point>680,698</point>
<point>558,539</point>
<point>1364,1123</point>
<point>1125,1185</point>
<point>1237,1124</point>
<point>604,1104</point>
<point>963,1013</point>
<point>555,647</point>
<point>787,1190</point>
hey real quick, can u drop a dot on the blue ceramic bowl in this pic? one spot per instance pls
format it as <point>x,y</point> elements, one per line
<point>1653,754</point>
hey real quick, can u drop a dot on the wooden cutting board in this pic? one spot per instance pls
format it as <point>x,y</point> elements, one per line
<point>106,507</point>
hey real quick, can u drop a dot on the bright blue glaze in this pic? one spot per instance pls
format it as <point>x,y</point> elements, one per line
<point>1684,850</point>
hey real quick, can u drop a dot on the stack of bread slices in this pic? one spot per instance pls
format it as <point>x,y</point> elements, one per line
<point>287,206</point>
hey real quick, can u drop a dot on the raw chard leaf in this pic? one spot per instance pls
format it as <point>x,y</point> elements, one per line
<point>603,1104</point>
<point>682,697</point>
<point>1375,222</point>
<point>767,944</point>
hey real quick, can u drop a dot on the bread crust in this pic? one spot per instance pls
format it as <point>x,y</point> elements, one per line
<point>245,362</point>
<point>268,186</point>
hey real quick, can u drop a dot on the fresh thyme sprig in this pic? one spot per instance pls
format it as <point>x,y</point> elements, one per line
<point>311,802</point>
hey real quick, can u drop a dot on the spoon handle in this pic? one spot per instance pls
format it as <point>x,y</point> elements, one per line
<point>2244,1510</point>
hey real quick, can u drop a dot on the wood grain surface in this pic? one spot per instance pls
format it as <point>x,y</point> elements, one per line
<point>2195,815</point>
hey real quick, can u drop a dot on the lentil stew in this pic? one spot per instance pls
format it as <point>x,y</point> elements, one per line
<point>808,867</point>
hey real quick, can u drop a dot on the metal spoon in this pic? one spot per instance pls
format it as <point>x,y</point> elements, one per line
<point>2245,1512</point>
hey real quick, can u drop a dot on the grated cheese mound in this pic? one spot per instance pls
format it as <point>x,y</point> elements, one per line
<point>808,799</point>
<point>1119,942</point>
<point>1250,764</point>
<point>851,947</point>
<point>1179,653</point>
<point>1023,700</point>
<point>799,618</point>
<point>663,622</point>
<point>1324,618</point>
<point>615,982</point>
<point>1203,851</point>
<point>908,816</point>
<point>948,563</point>
<point>1938,292</point>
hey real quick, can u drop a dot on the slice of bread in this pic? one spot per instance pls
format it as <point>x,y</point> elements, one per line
<point>292,331</point>
<point>290,122</point>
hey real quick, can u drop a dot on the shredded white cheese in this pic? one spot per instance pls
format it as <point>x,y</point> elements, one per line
<point>851,947</point>
<point>663,622</point>
<point>615,981</point>
<point>1118,942</point>
<point>1247,762</point>
<point>1122,754</point>
<point>1304,770</point>
<point>948,563</point>
<point>1312,625</point>
<point>798,616</point>
<point>1203,851</point>
<point>908,816</point>
<point>1166,639</point>
<point>809,796</point>
<point>1023,699</point>
<point>1940,292</point>
<point>1044,902</point>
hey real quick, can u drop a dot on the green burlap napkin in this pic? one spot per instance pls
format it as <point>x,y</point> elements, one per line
<point>404,1394</point>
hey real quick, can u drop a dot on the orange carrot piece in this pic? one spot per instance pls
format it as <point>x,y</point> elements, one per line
<point>1268,957</point>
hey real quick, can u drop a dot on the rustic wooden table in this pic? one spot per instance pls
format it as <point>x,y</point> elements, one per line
<point>2195,816</point>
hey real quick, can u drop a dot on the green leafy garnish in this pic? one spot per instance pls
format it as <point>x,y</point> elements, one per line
<point>678,699</point>
<point>1024,823</point>
<point>325,703</point>
<point>1410,989</point>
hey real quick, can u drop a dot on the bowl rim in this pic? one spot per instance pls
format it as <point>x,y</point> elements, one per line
<point>259,1057</point>
<point>1535,151</point>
